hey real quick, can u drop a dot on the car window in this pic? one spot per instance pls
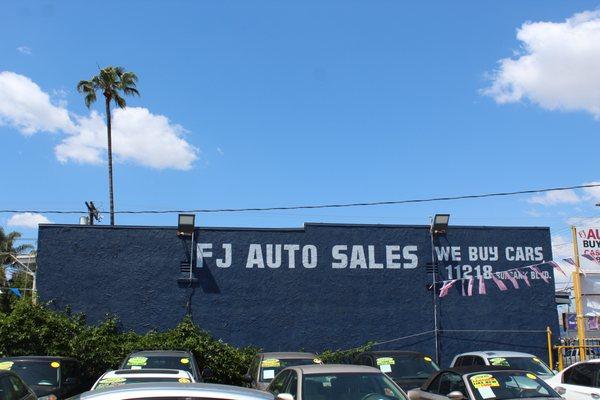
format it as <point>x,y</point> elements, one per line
<point>434,385</point>
<point>478,361</point>
<point>7,390</point>
<point>278,384</point>
<point>18,386</point>
<point>580,374</point>
<point>292,385</point>
<point>449,382</point>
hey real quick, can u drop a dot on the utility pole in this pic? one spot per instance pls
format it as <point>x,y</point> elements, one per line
<point>93,213</point>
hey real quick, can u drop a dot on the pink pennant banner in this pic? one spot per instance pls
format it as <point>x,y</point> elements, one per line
<point>499,283</point>
<point>446,287</point>
<point>470,288</point>
<point>462,287</point>
<point>537,271</point>
<point>570,261</point>
<point>524,277</point>
<point>591,258</point>
<point>556,266</point>
<point>481,285</point>
<point>512,279</point>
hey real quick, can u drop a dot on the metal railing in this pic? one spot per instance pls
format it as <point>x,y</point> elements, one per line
<point>570,352</point>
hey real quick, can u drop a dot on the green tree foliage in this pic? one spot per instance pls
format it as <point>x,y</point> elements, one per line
<point>29,329</point>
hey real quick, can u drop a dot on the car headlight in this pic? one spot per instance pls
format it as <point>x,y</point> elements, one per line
<point>49,397</point>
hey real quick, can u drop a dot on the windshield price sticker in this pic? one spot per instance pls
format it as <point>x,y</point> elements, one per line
<point>428,359</point>
<point>386,361</point>
<point>537,360</point>
<point>385,368</point>
<point>185,360</point>
<point>55,364</point>
<point>108,382</point>
<point>270,363</point>
<point>6,365</point>
<point>499,361</point>
<point>531,376</point>
<point>140,361</point>
<point>486,393</point>
<point>184,380</point>
<point>317,361</point>
<point>484,380</point>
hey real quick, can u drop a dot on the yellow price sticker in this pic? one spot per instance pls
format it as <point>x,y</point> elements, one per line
<point>484,380</point>
<point>55,364</point>
<point>531,376</point>
<point>270,363</point>
<point>317,361</point>
<point>185,360</point>
<point>386,361</point>
<point>184,380</point>
<point>6,365</point>
<point>428,359</point>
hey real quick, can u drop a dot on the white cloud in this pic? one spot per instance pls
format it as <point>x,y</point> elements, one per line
<point>584,221</point>
<point>220,151</point>
<point>555,197</point>
<point>139,136</point>
<point>27,220</point>
<point>26,107</point>
<point>558,66</point>
<point>24,50</point>
<point>593,193</point>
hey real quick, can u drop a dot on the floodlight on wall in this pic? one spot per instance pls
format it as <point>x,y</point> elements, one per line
<point>439,225</point>
<point>186,224</point>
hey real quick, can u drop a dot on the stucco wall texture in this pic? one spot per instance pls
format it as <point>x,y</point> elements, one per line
<point>346,284</point>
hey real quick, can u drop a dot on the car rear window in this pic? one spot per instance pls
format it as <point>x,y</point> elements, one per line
<point>159,362</point>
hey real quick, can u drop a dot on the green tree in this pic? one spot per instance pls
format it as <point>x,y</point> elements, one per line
<point>112,82</point>
<point>9,248</point>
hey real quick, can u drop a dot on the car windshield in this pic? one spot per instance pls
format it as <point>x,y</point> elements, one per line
<point>36,373</point>
<point>159,362</point>
<point>500,385</point>
<point>350,386</point>
<point>271,366</point>
<point>532,364</point>
<point>118,381</point>
<point>407,367</point>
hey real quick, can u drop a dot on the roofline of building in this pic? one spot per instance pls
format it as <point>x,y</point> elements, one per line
<point>283,229</point>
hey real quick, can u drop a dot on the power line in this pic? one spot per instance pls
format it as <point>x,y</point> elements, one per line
<point>320,206</point>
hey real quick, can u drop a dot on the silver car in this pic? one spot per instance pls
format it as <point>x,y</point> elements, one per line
<point>174,390</point>
<point>483,383</point>
<point>331,381</point>
<point>265,366</point>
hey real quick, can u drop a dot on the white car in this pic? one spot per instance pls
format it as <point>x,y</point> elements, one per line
<point>174,391</point>
<point>127,376</point>
<point>512,359</point>
<point>579,381</point>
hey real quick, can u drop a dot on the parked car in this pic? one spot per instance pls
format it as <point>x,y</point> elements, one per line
<point>51,378</point>
<point>334,381</point>
<point>129,376</point>
<point>12,387</point>
<point>265,366</point>
<point>175,391</point>
<point>580,381</point>
<point>571,356</point>
<point>512,359</point>
<point>163,359</point>
<point>481,383</point>
<point>409,369</point>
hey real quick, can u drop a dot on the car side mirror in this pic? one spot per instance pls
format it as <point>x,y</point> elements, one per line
<point>455,395</point>
<point>560,390</point>
<point>284,396</point>
<point>248,378</point>
<point>207,373</point>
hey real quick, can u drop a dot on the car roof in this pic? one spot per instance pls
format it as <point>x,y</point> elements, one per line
<point>334,369</point>
<point>496,353</point>
<point>169,389</point>
<point>165,353</point>
<point>287,354</point>
<point>479,368</point>
<point>393,353</point>
<point>146,372</point>
<point>38,358</point>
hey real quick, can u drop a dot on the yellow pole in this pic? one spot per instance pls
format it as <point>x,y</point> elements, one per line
<point>578,303</point>
<point>549,338</point>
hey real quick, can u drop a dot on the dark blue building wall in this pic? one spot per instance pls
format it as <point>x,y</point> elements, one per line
<point>133,272</point>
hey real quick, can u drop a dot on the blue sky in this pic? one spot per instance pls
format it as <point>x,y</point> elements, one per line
<point>285,103</point>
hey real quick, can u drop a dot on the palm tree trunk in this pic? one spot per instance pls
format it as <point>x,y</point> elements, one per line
<point>110,169</point>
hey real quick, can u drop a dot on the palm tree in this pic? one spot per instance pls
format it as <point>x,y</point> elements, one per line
<point>111,81</point>
<point>8,247</point>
